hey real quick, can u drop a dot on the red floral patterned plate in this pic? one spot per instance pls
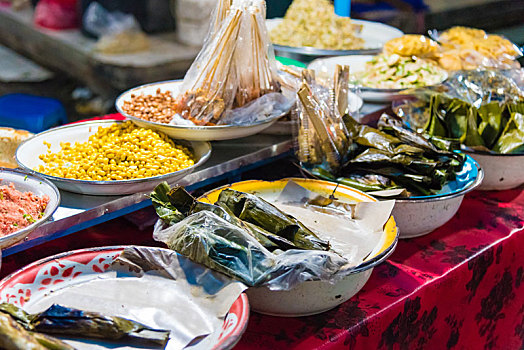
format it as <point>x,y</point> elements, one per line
<point>85,264</point>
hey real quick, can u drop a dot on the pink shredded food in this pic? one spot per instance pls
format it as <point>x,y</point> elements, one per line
<point>19,209</point>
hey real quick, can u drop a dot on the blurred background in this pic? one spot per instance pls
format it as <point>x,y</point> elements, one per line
<point>67,50</point>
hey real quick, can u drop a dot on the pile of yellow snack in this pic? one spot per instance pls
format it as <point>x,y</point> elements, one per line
<point>459,48</point>
<point>121,151</point>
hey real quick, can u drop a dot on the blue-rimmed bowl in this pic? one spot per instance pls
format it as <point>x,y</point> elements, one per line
<point>420,215</point>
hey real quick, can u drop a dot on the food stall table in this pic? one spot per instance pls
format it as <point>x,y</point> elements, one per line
<point>459,287</point>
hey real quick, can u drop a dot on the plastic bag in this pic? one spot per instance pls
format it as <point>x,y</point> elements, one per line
<point>117,32</point>
<point>225,238</point>
<point>57,14</point>
<point>218,16</point>
<point>213,242</point>
<point>322,135</point>
<point>235,66</point>
<point>269,106</point>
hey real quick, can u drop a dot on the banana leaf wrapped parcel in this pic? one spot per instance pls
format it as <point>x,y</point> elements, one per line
<point>19,330</point>
<point>369,159</point>
<point>480,110</point>
<point>246,238</point>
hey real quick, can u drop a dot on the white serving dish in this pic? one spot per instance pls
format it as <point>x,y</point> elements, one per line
<point>501,171</point>
<point>188,132</point>
<point>356,63</point>
<point>375,35</point>
<point>28,152</point>
<point>313,297</point>
<point>418,216</point>
<point>25,182</point>
<point>36,282</point>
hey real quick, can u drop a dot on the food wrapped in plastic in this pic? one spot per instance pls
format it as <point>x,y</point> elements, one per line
<point>470,48</point>
<point>214,236</point>
<point>204,238</point>
<point>478,109</point>
<point>218,15</point>
<point>209,240</point>
<point>322,135</point>
<point>235,66</point>
<point>254,57</point>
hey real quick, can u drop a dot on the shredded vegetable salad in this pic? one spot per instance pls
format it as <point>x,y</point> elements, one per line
<point>396,72</point>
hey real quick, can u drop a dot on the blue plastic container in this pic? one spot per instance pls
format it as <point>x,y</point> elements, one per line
<point>32,113</point>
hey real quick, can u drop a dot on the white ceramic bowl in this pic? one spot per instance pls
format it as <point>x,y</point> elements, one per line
<point>313,297</point>
<point>418,216</point>
<point>189,132</point>
<point>25,182</point>
<point>28,152</point>
<point>501,171</point>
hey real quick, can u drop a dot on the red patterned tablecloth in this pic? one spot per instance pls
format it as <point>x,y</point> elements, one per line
<point>460,287</point>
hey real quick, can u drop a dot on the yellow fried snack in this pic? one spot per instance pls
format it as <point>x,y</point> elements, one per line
<point>412,45</point>
<point>118,152</point>
<point>461,35</point>
<point>458,59</point>
<point>470,48</point>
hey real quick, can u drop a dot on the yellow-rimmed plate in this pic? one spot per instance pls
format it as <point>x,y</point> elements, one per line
<point>313,297</point>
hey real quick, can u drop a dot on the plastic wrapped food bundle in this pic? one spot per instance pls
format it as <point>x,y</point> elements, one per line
<point>236,66</point>
<point>482,110</point>
<point>322,135</point>
<point>233,80</point>
<point>256,242</point>
<point>335,147</point>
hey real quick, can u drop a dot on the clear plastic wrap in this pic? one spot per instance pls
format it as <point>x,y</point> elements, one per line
<point>477,109</point>
<point>254,57</point>
<point>207,239</point>
<point>210,84</point>
<point>269,106</point>
<point>204,237</point>
<point>218,15</point>
<point>214,236</point>
<point>235,66</point>
<point>322,135</point>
